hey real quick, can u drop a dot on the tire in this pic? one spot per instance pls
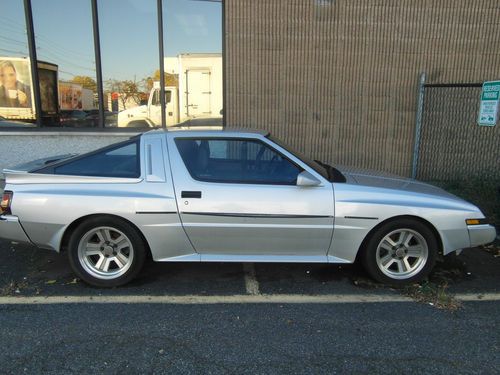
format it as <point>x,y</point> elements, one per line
<point>395,260</point>
<point>106,251</point>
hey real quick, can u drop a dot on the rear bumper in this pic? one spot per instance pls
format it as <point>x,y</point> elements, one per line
<point>11,229</point>
<point>481,234</point>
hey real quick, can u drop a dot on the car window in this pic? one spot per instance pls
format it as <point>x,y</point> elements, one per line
<point>156,97</point>
<point>119,161</point>
<point>236,161</point>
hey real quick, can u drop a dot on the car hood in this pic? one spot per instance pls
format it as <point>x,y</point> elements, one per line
<point>386,180</point>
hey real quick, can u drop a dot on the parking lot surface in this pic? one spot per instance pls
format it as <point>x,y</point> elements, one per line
<point>245,318</point>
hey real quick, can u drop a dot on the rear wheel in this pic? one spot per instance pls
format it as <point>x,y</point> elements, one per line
<point>400,252</point>
<point>106,252</point>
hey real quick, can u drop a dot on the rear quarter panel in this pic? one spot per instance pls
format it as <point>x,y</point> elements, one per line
<point>47,204</point>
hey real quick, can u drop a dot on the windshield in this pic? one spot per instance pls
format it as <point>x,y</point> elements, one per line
<point>311,163</point>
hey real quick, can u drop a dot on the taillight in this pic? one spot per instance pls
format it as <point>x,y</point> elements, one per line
<point>6,202</point>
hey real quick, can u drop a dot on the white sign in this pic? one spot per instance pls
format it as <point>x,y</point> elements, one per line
<point>488,110</point>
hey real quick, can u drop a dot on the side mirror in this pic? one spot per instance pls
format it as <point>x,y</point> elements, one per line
<point>307,179</point>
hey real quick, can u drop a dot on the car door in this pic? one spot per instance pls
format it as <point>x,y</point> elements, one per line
<point>238,199</point>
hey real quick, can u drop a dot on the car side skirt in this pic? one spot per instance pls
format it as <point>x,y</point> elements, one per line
<point>258,258</point>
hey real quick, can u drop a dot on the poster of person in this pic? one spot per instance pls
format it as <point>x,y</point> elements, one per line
<point>15,87</point>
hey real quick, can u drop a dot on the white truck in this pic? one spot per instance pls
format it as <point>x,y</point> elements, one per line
<point>199,94</point>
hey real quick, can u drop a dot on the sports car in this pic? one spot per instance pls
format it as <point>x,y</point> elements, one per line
<point>229,196</point>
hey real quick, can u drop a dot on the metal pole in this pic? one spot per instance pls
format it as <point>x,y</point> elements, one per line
<point>418,125</point>
<point>98,67</point>
<point>33,61</point>
<point>224,108</point>
<point>159,4</point>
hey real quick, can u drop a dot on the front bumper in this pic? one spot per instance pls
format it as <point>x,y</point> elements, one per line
<point>481,234</point>
<point>11,229</point>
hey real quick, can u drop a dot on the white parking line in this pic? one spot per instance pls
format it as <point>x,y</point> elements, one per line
<point>234,299</point>
<point>251,283</point>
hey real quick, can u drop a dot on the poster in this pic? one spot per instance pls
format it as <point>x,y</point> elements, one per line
<point>15,83</point>
<point>70,96</point>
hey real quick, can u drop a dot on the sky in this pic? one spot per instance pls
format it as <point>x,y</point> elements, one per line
<point>128,34</point>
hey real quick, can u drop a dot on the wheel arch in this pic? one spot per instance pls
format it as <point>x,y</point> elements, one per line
<point>428,224</point>
<point>71,228</point>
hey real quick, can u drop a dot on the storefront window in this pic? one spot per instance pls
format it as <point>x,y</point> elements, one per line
<point>16,96</point>
<point>129,58</point>
<point>66,69</point>
<point>129,49</point>
<point>193,62</point>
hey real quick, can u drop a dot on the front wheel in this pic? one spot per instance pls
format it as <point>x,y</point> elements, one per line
<point>106,252</point>
<point>400,252</point>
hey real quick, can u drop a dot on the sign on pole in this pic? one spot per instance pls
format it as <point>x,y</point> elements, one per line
<point>488,110</point>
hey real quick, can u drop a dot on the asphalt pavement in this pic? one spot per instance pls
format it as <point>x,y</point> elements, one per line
<point>233,318</point>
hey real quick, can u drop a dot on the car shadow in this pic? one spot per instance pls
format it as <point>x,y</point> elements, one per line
<point>26,270</point>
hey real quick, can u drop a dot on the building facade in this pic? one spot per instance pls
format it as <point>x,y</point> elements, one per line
<point>371,84</point>
<point>339,79</point>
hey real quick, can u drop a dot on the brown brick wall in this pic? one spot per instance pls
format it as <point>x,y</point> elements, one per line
<point>338,79</point>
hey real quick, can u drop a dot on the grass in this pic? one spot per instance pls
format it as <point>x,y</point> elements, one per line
<point>434,294</point>
<point>13,288</point>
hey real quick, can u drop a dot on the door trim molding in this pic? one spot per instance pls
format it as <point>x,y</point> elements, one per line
<point>271,216</point>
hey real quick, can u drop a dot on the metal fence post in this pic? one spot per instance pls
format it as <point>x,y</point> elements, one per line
<point>33,61</point>
<point>418,125</point>
<point>98,66</point>
<point>159,6</point>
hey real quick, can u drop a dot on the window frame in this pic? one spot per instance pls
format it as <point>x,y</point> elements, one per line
<point>241,182</point>
<point>51,169</point>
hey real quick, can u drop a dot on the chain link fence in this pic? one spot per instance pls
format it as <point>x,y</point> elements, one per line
<point>452,145</point>
<point>454,151</point>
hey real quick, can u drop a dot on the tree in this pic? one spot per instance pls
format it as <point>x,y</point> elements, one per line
<point>126,90</point>
<point>86,82</point>
<point>170,80</point>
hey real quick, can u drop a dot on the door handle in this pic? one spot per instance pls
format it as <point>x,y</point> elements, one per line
<point>190,194</point>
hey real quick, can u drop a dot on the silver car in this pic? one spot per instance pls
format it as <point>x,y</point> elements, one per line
<point>229,196</point>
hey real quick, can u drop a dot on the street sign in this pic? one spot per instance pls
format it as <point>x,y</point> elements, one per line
<point>488,110</point>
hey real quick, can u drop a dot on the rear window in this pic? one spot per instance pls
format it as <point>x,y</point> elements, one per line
<point>115,161</point>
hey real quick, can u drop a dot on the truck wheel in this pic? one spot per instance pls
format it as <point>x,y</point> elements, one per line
<point>400,252</point>
<point>106,252</point>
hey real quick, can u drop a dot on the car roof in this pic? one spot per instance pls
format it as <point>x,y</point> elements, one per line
<point>210,131</point>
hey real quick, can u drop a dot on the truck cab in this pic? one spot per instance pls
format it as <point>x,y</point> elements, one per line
<point>150,115</point>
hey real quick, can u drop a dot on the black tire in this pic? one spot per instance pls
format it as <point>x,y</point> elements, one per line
<point>133,237</point>
<point>369,253</point>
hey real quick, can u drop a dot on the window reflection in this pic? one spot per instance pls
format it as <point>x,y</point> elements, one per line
<point>130,61</point>
<point>16,98</point>
<point>65,52</point>
<point>129,49</point>
<point>193,62</point>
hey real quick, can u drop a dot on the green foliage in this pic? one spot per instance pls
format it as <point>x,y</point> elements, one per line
<point>86,82</point>
<point>170,80</point>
